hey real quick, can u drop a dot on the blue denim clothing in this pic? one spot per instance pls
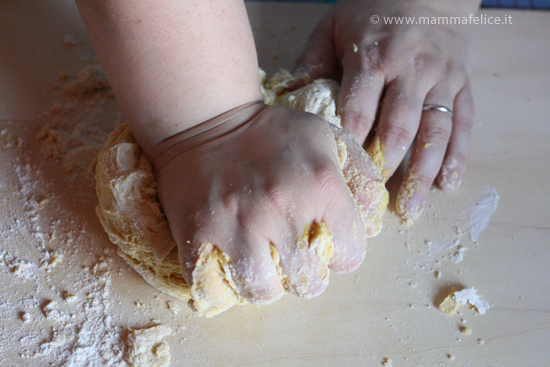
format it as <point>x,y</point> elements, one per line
<point>520,4</point>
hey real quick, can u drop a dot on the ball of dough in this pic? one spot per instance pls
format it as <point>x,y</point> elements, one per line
<point>131,214</point>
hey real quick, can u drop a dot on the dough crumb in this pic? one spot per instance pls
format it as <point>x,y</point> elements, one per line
<point>459,254</point>
<point>465,330</point>
<point>468,295</point>
<point>25,317</point>
<point>91,78</point>
<point>458,231</point>
<point>69,297</point>
<point>146,348</point>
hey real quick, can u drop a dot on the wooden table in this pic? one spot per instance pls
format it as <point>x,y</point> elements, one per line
<point>386,310</point>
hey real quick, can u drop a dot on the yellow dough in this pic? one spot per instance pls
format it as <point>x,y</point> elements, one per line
<point>133,218</point>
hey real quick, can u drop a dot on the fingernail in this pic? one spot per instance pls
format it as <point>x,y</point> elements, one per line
<point>410,200</point>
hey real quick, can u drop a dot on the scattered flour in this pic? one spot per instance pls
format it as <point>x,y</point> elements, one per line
<point>482,212</point>
<point>16,266</point>
<point>430,254</point>
<point>77,128</point>
<point>56,304</point>
<point>459,254</point>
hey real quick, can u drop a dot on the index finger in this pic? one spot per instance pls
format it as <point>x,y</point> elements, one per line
<point>398,125</point>
<point>359,94</point>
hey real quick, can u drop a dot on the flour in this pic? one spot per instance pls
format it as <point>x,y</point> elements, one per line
<point>83,334</point>
<point>20,268</point>
<point>482,212</point>
<point>81,331</point>
<point>459,254</point>
<point>56,302</point>
<point>467,295</point>
<point>77,128</point>
<point>428,256</point>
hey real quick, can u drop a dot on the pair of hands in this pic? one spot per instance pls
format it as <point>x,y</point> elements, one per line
<point>261,178</point>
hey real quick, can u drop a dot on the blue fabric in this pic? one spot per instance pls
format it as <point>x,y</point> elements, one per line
<point>520,4</point>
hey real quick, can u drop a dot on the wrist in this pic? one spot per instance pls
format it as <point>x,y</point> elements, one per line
<point>218,127</point>
<point>157,121</point>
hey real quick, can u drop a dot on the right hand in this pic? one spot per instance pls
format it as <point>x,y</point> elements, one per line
<point>256,176</point>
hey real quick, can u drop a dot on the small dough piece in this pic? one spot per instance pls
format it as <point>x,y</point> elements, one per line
<point>468,295</point>
<point>132,216</point>
<point>146,348</point>
<point>317,97</point>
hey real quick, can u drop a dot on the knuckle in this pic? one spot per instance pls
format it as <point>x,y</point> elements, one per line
<point>397,136</point>
<point>374,58</point>
<point>326,180</point>
<point>456,72</point>
<point>381,60</point>
<point>357,121</point>
<point>438,134</point>
<point>276,196</point>
<point>230,201</point>
<point>424,61</point>
<point>424,181</point>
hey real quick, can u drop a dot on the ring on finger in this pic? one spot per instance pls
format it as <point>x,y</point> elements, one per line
<point>437,107</point>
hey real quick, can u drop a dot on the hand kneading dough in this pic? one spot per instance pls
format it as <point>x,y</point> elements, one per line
<point>131,214</point>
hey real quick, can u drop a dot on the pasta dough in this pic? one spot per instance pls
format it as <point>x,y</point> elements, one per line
<point>132,216</point>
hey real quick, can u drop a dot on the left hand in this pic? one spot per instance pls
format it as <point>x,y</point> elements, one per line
<point>389,72</point>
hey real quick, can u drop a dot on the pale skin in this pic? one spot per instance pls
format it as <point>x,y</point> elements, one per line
<point>186,76</point>
<point>387,78</point>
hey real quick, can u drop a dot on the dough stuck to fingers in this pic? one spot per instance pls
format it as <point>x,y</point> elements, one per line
<point>315,239</point>
<point>130,212</point>
<point>213,290</point>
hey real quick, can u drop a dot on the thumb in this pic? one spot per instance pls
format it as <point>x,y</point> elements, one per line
<point>363,180</point>
<point>318,60</point>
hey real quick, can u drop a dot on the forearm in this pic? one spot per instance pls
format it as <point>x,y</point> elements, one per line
<point>173,64</point>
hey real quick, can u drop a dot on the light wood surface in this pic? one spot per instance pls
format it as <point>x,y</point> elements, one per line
<point>386,309</point>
